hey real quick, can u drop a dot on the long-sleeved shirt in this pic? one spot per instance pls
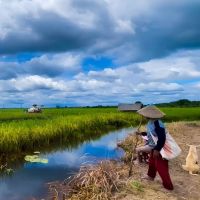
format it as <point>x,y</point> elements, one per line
<point>157,129</point>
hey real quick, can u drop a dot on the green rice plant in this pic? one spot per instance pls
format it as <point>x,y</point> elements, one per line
<point>20,131</point>
<point>181,114</point>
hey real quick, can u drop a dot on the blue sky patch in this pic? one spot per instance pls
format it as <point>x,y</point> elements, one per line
<point>97,63</point>
<point>20,58</point>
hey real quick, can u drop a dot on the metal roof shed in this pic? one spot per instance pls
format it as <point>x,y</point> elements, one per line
<point>129,107</point>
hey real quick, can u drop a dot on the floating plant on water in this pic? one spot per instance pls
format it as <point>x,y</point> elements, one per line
<point>36,152</point>
<point>35,159</point>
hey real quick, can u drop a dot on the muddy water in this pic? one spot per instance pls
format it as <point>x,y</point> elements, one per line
<point>29,179</point>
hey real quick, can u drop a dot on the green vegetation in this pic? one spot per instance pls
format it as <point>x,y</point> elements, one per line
<point>181,114</point>
<point>136,185</point>
<point>20,131</point>
<point>181,103</point>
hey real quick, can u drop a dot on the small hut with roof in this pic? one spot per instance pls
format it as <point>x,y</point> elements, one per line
<point>123,107</point>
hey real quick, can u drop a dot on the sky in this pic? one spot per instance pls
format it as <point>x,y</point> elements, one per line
<point>98,52</point>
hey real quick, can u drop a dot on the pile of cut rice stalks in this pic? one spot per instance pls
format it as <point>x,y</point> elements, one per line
<point>129,144</point>
<point>91,182</point>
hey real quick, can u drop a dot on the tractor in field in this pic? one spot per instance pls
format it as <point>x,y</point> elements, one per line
<point>34,109</point>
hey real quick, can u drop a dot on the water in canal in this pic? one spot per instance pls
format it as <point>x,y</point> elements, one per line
<point>29,179</point>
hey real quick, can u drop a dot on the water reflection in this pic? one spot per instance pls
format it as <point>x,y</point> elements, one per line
<point>29,180</point>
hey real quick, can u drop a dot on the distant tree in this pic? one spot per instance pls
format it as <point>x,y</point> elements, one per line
<point>183,102</point>
<point>138,102</point>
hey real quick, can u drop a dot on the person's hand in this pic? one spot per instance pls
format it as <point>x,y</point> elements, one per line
<point>156,153</point>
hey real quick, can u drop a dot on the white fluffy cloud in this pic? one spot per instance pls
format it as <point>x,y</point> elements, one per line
<point>31,83</point>
<point>179,66</point>
<point>153,81</point>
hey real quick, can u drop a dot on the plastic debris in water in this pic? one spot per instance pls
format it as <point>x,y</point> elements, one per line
<point>35,159</point>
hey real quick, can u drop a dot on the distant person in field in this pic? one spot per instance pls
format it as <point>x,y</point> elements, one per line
<point>156,128</point>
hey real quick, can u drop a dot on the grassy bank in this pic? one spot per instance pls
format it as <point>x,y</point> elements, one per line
<point>20,131</point>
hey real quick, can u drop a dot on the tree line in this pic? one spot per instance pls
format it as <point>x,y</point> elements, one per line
<point>180,103</point>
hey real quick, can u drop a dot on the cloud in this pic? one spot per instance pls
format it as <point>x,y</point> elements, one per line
<point>98,51</point>
<point>159,87</point>
<point>154,80</point>
<point>9,70</point>
<point>54,65</point>
<point>34,83</point>
<point>133,28</point>
<point>48,27</point>
<point>50,65</point>
<point>182,65</point>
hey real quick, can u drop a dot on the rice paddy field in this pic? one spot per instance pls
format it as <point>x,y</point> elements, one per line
<point>21,131</point>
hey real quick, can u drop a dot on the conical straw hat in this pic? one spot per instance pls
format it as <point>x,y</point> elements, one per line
<point>151,112</point>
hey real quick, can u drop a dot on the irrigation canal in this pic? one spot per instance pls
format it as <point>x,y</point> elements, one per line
<point>29,180</point>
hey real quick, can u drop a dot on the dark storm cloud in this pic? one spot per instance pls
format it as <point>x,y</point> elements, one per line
<point>51,32</point>
<point>164,29</point>
<point>167,30</point>
<point>9,70</point>
<point>48,65</point>
<point>13,70</point>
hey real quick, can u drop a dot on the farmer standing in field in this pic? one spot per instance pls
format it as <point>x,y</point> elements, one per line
<point>156,128</point>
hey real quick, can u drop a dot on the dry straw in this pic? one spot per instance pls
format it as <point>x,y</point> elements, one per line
<point>93,182</point>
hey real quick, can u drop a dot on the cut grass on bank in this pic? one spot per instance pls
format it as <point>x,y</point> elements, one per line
<point>20,131</point>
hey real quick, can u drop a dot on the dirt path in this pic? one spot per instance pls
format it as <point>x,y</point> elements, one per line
<point>186,186</point>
